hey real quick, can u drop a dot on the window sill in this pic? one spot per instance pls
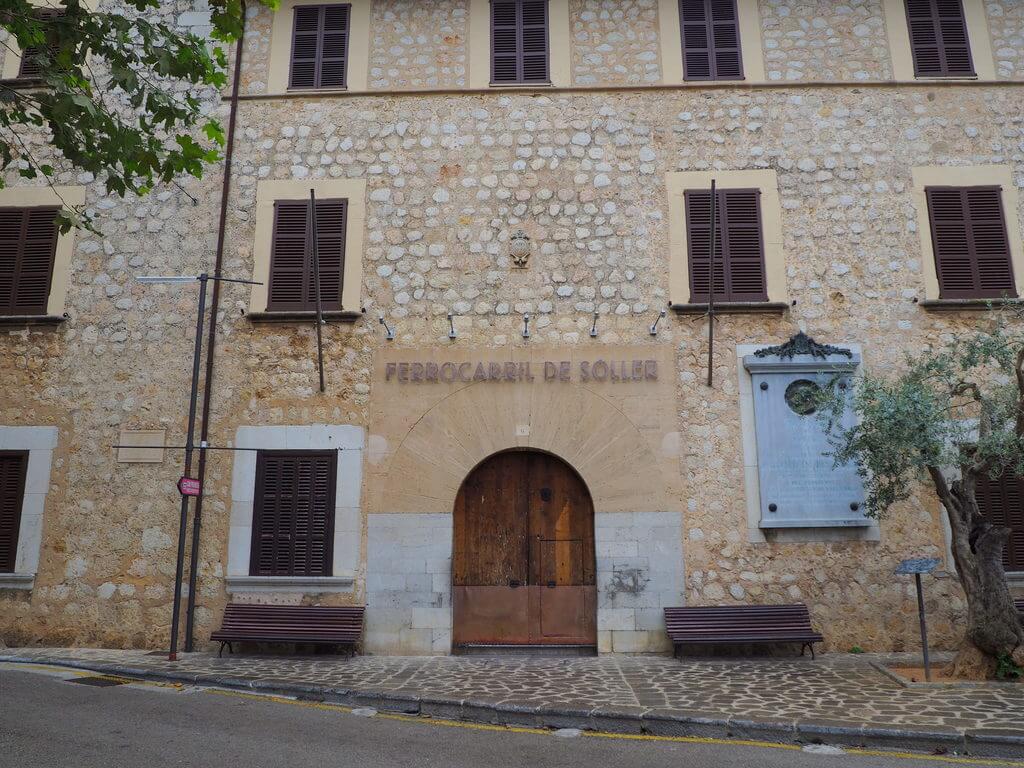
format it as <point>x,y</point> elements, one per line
<point>734,308</point>
<point>31,319</point>
<point>967,305</point>
<point>291,584</point>
<point>23,82</point>
<point>536,84</point>
<point>17,580</point>
<point>343,316</point>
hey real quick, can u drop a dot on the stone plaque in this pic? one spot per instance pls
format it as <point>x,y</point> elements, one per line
<point>799,484</point>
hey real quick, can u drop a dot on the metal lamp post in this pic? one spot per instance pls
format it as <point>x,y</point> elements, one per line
<point>187,489</point>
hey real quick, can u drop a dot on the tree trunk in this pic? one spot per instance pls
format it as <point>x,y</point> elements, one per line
<point>994,628</point>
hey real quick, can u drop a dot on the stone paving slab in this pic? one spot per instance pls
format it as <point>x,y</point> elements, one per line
<point>837,699</point>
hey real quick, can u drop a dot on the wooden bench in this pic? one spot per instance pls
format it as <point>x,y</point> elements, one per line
<point>729,624</point>
<point>312,624</point>
<point>1019,602</point>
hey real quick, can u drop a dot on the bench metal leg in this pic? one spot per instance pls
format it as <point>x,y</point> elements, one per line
<point>806,646</point>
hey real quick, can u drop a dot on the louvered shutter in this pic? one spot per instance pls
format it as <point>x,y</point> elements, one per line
<point>739,245</point>
<point>28,243</point>
<point>320,46</point>
<point>711,40</point>
<point>13,469</point>
<point>29,67</point>
<point>519,41</point>
<point>969,237</point>
<point>1001,502</point>
<point>938,38</point>
<point>291,261</point>
<point>293,514</point>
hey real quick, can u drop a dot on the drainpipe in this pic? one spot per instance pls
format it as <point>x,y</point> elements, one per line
<point>212,341</point>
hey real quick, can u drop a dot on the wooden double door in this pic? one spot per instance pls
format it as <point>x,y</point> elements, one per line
<point>523,571</point>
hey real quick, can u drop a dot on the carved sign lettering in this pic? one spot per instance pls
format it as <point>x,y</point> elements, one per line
<point>557,371</point>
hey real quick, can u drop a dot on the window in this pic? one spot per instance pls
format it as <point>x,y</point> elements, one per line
<point>711,40</point>
<point>939,41</point>
<point>319,57</point>
<point>28,245</point>
<point>292,278</point>
<point>519,41</point>
<point>13,470</point>
<point>739,245</point>
<point>971,243</point>
<point>1001,502</point>
<point>293,513</point>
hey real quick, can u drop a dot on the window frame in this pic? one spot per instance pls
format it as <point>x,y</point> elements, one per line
<point>60,273</point>
<point>710,35</point>
<point>1002,176</point>
<point>901,53</point>
<point>268,192</point>
<point>763,180</point>
<point>25,212</point>
<point>308,305</point>
<point>40,443</point>
<point>357,69</point>
<point>25,456</point>
<point>751,45</point>
<point>972,243</point>
<point>721,211</point>
<point>258,517</point>
<point>318,60</point>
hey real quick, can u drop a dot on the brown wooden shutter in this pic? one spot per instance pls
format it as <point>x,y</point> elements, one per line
<point>969,236</point>
<point>1001,502</point>
<point>29,67</point>
<point>291,262</point>
<point>739,245</point>
<point>711,40</point>
<point>13,470</point>
<point>519,41</point>
<point>293,513</point>
<point>320,46</point>
<point>938,38</point>
<point>28,243</point>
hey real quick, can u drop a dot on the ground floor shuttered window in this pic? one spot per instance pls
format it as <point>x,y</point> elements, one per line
<point>13,468</point>
<point>293,514</point>
<point>1001,500</point>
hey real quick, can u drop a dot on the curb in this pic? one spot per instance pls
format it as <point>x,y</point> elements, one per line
<point>978,742</point>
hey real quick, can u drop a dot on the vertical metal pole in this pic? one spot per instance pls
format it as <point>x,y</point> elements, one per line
<point>182,528</point>
<point>924,628</point>
<point>316,287</point>
<point>711,285</point>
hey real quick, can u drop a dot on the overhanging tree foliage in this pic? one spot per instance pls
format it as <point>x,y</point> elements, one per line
<point>953,414</point>
<point>114,93</point>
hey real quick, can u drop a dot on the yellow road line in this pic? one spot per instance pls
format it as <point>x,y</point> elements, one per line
<point>968,761</point>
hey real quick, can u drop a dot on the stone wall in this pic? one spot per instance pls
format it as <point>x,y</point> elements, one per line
<point>615,42</point>
<point>409,584</point>
<point>822,40</point>
<point>1006,25</point>
<point>449,179</point>
<point>418,45</point>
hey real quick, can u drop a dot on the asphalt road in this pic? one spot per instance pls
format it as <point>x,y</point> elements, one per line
<point>47,721</point>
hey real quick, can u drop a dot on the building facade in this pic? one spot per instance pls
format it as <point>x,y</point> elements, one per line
<point>517,441</point>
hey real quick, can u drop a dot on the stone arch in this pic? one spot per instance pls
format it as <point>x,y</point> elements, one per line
<point>619,462</point>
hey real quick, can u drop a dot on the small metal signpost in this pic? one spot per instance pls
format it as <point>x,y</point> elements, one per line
<point>189,486</point>
<point>917,566</point>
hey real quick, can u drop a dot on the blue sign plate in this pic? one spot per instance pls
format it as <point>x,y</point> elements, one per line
<point>917,565</point>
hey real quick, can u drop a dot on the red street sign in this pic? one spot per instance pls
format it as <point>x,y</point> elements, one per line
<point>189,486</point>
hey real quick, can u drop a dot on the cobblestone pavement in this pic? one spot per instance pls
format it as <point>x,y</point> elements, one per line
<point>834,687</point>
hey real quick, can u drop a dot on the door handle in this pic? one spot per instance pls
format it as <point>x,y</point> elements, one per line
<point>551,585</point>
<point>513,583</point>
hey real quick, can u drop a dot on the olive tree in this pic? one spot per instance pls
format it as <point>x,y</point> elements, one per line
<point>951,414</point>
<point>114,92</point>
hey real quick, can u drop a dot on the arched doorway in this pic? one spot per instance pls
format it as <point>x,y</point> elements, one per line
<point>523,566</point>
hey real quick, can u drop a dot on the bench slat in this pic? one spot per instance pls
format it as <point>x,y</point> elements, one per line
<point>340,625</point>
<point>740,624</point>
